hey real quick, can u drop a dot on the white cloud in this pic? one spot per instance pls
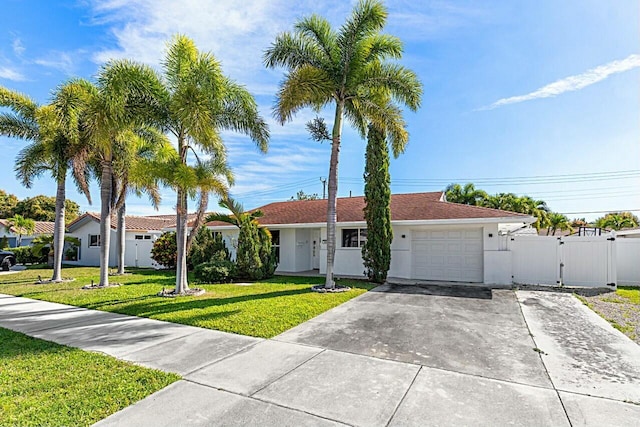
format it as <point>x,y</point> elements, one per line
<point>62,61</point>
<point>11,74</point>
<point>573,83</point>
<point>18,47</point>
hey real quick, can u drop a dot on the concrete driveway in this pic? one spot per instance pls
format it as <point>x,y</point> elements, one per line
<point>393,356</point>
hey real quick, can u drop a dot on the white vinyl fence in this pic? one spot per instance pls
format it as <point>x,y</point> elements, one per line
<point>572,261</point>
<point>628,261</point>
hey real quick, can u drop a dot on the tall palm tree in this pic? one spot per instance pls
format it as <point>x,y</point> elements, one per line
<point>467,195</point>
<point>55,147</point>
<point>194,103</point>
<point>348,68</point>
<point>131,176</point>
<point>115,110</point>
<point>21,226</point>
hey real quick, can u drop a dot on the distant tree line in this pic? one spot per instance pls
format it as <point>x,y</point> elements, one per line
<point>468,194</point>
<point>37,208</point>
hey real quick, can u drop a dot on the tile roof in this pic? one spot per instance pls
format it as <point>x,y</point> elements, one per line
<point>41,227</point>
<point>404,207</point>
<point>133,223</point>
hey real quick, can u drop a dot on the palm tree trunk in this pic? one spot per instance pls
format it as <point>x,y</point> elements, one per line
<point>181,241</point>
<point>105,220</point>
<point>181,228</point>
<point>58,231</point>
<point>199,220</point>
<point>120,237</point>
<point>332,212</point>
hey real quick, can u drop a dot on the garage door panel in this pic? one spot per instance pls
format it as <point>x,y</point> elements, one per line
<point>450,255</point>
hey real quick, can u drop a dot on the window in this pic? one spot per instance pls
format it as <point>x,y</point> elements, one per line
<point>94,240</point>
<point>139,236</point>
<point>143,237</point>
<point>354,237</point>
<point>147,237</point>
<point>275,243</point>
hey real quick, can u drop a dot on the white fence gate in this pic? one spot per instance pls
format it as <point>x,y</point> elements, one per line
<point>572,261</point>
<point>628,261</point>
<point>138,253</point>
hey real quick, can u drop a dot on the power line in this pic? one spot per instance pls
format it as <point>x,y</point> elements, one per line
<point>538,179</point>
<point>598,212</point>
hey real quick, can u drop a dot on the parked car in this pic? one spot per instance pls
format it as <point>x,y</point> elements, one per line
<point>7,260</point>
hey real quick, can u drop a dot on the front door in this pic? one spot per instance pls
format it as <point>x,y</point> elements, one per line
<point>315,249</point>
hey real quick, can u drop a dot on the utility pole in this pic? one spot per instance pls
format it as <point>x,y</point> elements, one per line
<point>324,186</point>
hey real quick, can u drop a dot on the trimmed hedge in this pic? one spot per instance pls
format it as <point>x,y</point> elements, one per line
<point>219,271</point>
<point>25,255</point>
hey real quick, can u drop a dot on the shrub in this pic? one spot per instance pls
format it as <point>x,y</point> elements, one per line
<point>165,250</point>
<point>220,271</point>
<point>25,255</point>
<point>207,246</point>
<point>4,242</point>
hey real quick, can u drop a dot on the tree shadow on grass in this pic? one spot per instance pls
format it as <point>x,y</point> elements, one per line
<point>157,305</point>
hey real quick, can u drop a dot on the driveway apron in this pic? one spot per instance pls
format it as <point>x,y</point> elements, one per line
<point>398,356</point>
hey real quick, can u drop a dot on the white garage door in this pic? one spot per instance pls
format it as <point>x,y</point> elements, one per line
<point>450,255</point>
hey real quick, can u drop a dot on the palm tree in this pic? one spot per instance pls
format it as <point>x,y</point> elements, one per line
<point>114,113</point>
<point>131,175</point>
<point>47,241</point>
<point>467,195</point>
<point>21,226</point>
<point>254,250</point>
<point>54,147</point>
<point>348,68</point>
<point>557,221</point>
<point>617,220</point>
<point>194,101</point>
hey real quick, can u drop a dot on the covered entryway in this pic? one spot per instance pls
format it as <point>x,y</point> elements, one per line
<point>453,255</point>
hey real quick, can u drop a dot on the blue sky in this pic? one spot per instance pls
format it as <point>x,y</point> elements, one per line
<point>513,91</point>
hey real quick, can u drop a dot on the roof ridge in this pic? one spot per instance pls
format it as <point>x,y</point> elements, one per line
<point>482,207</point>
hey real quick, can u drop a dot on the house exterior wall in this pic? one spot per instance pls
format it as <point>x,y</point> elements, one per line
<point>90,256</point>
<point>348,261</point>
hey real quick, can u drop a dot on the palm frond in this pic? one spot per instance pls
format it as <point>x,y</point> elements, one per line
<point>319,30</point>
<point>239,113</point>
<point>293,51</point>
<point>19,103</point>
<point>403,84</point>
<point>31,162</point>
<point>15,126</point>
<point>303,87</point>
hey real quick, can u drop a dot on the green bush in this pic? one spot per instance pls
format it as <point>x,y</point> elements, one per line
<point>220,271</point>
<point>165,250</point>
<point>207,246</point>
<point>25,255</point>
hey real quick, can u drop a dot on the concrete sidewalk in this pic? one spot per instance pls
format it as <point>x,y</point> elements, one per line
<point>351,366</point>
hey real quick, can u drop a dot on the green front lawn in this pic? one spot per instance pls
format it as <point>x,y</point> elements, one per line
<point>261,309</point>
<point>42,383</point>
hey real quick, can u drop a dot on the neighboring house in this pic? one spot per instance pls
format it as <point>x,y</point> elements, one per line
<point>141,232</point>
<point>433,239</point>
<point>41,227</point>
<point>629,233</point>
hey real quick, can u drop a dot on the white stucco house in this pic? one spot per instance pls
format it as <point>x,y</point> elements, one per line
<point>41,228</point>
<point>141,232</point>
<point>433,239</point>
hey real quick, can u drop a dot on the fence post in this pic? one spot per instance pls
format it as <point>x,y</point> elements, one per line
<point>560,258</point>
<point>612,261</point>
